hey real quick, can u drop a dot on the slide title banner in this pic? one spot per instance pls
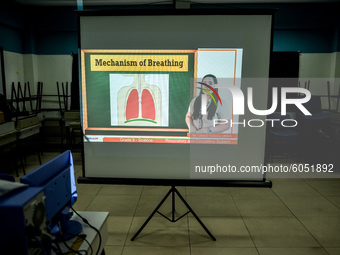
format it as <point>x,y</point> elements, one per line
<point>133,63</point>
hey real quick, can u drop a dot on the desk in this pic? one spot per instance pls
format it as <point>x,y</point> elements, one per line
<point>52,127</point>
<point>29,131</point>
<point>99,221</point>
<point>9,140</point>
<point>73,129</point>
<point>72,124</point>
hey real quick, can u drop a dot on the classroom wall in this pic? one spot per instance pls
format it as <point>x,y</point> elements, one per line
<point>312,30</point>
<point>52,69</point>
<point>14,68</point>
<point>33,68</point>
<point>38,42</point>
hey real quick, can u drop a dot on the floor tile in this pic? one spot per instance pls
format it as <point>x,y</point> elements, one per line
<point>160,190</point>
<point>116,205</point>
<point>325,229</point>
<point>293,251</point>
<point>83,202</point>
<point>157,233</point>
<point>293,187</point>
<point>261,207</point>
<point>333,251</point>
<point>252,192</point>
<point>78,169</point>
<point>118,229</point>
<point>228,231</point>
<point>147,204</point>
<point>33,159</point>
<point>88,189</point>
<point>207,191</point>
<point>326,187</point>
<point>76,156</point>
<point>120,190</point>
<point>131,250</point>
<point>279,232</point>
<point>223,251</point>
<point>113,249</point>
<point>47,156</point>
<point>28,168</point>
<point>307,206</point>
<point>218,206</point>
<point>77,174</point>
<point>335,200</point>
<point>158,222</point>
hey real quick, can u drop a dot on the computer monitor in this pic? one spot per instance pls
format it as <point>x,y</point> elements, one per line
<point>57,178</point>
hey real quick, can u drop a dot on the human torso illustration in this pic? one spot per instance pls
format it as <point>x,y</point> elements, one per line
<point>140,103</point>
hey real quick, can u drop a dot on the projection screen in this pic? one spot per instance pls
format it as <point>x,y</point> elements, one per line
<point>140,72</point>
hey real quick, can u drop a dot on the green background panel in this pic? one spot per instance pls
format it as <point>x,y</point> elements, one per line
<point>98,93</point>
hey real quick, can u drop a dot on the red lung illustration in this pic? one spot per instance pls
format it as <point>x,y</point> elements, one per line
<point>132,107</point>
<point>148,105</point>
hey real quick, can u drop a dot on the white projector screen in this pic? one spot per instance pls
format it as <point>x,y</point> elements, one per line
<point>127,59</point>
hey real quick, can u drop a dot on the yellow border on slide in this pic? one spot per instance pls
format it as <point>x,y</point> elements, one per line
<point>85,121</point>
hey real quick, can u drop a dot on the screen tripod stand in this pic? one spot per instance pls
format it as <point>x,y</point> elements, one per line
<point>173,191</point>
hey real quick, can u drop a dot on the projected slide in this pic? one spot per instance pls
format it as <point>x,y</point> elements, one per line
<point>160,96</point>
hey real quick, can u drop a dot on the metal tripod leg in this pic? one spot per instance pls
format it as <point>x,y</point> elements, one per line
<point>151,215</point>
<point>195,215</point>
<point>172,191</point>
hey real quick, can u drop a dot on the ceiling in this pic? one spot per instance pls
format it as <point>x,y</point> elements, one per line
<point>147,2</point>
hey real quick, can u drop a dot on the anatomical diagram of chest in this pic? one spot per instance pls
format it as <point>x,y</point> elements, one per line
<point>140,102</point>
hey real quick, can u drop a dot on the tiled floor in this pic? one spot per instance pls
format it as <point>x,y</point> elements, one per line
<point>295,217</point>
